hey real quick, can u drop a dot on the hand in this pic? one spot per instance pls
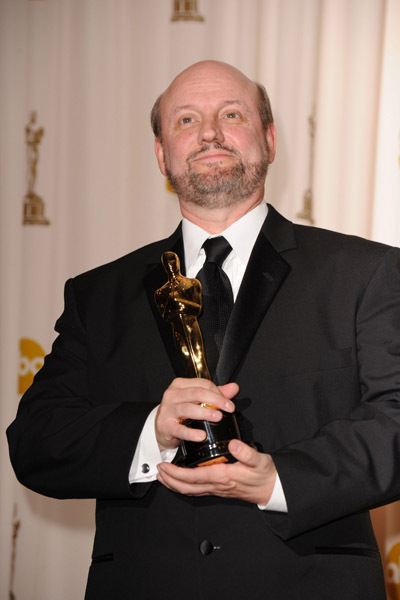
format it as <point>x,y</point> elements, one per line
<point>183,399</point>
<point>252,478</point>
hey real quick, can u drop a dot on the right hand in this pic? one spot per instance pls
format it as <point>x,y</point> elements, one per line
<point>183,399</point>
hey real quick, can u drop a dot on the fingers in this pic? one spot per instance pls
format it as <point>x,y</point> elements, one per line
<point>195,482</point>
<point>193,403</point>
<point>194,399</point>
<point>187,410</point>
<point>202,391</point>
<point>252,480</point>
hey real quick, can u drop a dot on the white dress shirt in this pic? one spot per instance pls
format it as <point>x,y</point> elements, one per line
<point>242,236</point>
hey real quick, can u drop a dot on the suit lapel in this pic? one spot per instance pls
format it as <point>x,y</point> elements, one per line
<point>264,275</point>
<point>154,279</point>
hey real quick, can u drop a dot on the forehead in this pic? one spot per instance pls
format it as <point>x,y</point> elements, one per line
<point>204,87</point>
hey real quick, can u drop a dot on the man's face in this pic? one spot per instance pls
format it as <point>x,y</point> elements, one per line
<point>214,148</point>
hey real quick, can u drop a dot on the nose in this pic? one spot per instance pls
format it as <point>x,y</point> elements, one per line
<point>210,131</point>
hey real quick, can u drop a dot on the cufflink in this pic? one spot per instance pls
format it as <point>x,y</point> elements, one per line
<point>145,468</point>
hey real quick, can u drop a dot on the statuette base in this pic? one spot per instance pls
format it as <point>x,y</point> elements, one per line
<point>215,448</point>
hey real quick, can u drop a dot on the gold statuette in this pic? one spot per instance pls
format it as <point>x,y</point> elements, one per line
<point>179,302</point>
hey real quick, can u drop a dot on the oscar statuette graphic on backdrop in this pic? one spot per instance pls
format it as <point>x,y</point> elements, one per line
<point>186,10</point>
<point>33,203</point>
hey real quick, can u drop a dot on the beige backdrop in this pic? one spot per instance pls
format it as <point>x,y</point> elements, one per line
<point>91,70</point>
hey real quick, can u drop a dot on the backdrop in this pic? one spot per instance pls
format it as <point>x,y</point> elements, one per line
<point>79,185</point>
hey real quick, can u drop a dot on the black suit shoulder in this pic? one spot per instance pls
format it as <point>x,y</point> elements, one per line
<point>329,241</point>
<point>122,277</point>
<point>135,261</point>
<point>330,251</point>
<point>322,253</point>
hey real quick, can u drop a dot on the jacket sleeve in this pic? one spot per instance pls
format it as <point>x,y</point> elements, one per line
<point>65,443</point>
<point>353,464</point>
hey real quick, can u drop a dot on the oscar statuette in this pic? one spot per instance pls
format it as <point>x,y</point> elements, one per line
<point>179,302</point>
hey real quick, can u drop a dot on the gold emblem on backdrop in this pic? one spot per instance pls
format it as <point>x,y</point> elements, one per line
<point>33,204</point>
<point>392,572</point>
<point>30,362</point>
<point>186,10</point>
<point>169,186</point>
<point>306,211</point>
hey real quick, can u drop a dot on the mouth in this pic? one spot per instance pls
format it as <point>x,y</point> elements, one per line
<point>212,157</point>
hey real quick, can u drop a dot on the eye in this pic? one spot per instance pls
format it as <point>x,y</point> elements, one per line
<point>186,120</point>
<point>232,115</point>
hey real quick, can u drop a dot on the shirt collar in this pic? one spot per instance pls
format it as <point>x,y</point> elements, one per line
<point>241,235</point>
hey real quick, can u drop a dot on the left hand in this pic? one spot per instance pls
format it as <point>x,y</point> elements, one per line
<point>252,478</point>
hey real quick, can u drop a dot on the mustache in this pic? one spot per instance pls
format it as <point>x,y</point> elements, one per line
<point>214,146</point>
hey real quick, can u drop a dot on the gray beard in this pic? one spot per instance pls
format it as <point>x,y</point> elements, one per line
<point>221,186</point>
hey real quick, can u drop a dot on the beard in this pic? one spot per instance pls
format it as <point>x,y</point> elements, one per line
<point>220,187</point>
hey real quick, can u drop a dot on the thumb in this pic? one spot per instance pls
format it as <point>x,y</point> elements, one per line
<point>244,453</point>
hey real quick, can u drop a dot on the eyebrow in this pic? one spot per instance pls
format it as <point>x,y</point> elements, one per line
<point>191,106</point>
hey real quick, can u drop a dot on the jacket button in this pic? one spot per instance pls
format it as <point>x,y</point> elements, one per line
<point>206,547</point>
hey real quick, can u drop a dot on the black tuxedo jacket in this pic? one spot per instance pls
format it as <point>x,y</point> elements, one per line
<point>314,344</point>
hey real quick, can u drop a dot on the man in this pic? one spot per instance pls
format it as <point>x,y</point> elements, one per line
<point>310,360</point>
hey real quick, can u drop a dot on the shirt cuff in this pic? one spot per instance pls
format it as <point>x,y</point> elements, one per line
<point>147,454</point>
<point>277,502</point>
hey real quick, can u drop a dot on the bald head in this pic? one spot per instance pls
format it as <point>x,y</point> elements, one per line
<point>198,73</point>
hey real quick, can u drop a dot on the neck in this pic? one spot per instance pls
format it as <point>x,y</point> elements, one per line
<point>217,220</point>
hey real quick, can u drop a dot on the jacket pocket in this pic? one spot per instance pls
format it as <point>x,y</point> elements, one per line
<point>101,558</point>
<point>349,550</point>
<point>324,360</point>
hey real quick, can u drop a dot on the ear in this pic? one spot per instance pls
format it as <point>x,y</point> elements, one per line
<point>270,135</point>
<point>160,155</point>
